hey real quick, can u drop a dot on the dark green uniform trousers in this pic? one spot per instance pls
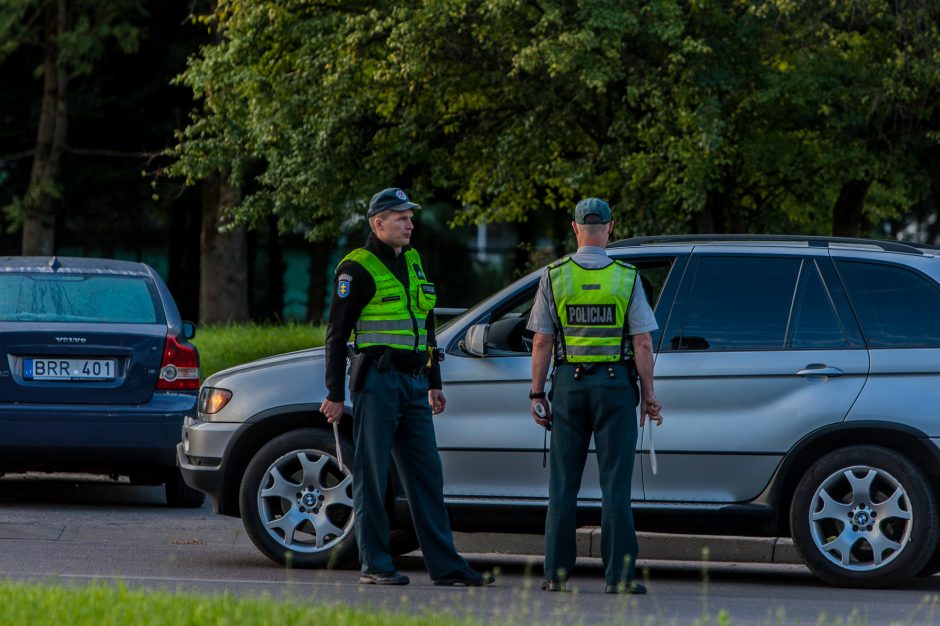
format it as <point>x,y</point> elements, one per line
<point>392,419</point>
<point>601,402</point>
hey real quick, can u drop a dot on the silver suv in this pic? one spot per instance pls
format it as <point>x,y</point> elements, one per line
<point>800,380</point>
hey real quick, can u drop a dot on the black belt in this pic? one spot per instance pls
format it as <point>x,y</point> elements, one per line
<point>598,366</point>
<point>586,369</point>
<point>387,360</point>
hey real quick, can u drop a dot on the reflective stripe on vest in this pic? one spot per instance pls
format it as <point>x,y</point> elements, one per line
<point>394,317</point>
<point>592,307</point>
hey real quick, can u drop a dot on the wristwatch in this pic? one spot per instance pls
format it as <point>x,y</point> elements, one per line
<point>533,395</point>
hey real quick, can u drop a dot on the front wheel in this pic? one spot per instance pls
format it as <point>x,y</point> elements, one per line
<point>864,516</point>
<point>296,501</point>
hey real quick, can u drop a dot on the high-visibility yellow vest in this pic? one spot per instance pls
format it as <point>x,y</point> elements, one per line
<point>592,307</point>
<point>394,317</point>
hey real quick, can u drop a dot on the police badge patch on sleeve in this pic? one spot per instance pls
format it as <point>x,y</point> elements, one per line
<point>342,285</point>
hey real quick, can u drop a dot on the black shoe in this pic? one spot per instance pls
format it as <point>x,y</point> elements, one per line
<point>553,585</point>
<point>467,577</point>
<point>383,578</point>
<point>632,587</point>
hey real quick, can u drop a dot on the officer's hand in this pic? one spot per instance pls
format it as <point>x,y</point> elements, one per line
<point>542,417</point>
<point>437,401</point>
<point>332,410</point>
<point>652,408</point>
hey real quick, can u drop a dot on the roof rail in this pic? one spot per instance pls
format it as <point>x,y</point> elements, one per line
<point>810,240</point>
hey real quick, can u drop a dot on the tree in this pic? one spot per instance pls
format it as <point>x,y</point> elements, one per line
<point>708,116</point>
<point>72,35</point>
<point>805,117</point>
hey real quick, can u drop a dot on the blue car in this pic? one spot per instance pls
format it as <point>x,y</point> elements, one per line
<point>96,371</point>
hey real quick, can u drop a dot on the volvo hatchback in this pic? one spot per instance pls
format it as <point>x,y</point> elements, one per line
<point>800,383</point>
<point>96,371</point>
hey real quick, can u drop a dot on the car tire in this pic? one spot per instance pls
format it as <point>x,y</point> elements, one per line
<point>864,516</point>
<point>932,566</point>
<point>296,502</point>
<point>179,495</point>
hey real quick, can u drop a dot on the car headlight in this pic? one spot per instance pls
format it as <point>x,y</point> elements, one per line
<point>212,400</point>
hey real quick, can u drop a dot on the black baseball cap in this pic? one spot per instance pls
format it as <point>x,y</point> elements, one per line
<point>391,199</point>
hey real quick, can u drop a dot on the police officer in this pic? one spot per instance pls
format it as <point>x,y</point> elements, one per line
<point>384,296</point>
<point>593,310</point>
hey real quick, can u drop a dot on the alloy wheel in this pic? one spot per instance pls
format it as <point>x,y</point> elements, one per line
<point>305,501</point>
<point>861,518</point>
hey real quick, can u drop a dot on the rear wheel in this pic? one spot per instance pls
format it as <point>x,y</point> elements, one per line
<point>296,501</point>
<point>864,516</point>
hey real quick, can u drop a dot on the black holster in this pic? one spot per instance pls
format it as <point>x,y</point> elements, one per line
<point>358,364</point>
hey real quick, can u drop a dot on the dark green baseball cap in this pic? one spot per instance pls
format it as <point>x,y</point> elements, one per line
<point>592,211</point>
<point>391,199</point>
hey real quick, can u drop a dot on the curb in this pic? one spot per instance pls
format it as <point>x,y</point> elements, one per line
<point>653,546</point>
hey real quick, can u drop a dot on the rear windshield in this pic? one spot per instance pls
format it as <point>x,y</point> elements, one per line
<point>48,297</point>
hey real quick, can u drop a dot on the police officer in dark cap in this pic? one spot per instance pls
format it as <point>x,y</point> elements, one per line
<point>592,315</point>
<point>383,296</point>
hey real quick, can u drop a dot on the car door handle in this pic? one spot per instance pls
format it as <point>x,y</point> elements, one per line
<point>818,369</point>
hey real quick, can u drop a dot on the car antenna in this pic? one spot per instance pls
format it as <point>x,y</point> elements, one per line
<point>54,264</point>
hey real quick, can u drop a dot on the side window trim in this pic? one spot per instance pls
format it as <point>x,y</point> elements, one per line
<point>809,271</point>
<point>834,286</point>
<point>668,298</point>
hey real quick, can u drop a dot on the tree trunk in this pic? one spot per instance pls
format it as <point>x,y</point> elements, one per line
<point>715,205</point>
<point>275,271</point>
<point>223,286</point>
<point>317,288</point>
<point>847,211</point>
<point>185,233</point>
<point>39,204</point>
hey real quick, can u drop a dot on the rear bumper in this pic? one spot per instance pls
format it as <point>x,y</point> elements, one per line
<point>93,438</point>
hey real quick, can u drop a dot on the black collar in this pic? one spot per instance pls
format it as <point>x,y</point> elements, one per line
<point>382,250</point>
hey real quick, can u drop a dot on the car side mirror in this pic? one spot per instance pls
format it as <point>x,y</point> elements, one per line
<point>474,343</point>
<point>506,335</point>
<point>189,329</point>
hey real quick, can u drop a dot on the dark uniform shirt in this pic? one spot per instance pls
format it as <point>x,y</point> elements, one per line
<point>344,313</point>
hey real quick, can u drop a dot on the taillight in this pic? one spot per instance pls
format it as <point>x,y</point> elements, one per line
<point>180,367</point>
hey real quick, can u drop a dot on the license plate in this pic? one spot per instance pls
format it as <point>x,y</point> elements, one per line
<point>68,369</point>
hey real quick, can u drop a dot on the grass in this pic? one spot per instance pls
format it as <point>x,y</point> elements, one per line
<point>221,347</point>
<point>105,604</point>
<point>115,605</point>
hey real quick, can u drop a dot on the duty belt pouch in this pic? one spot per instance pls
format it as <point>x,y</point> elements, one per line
<point>384,362</point>
<point>358,364</point>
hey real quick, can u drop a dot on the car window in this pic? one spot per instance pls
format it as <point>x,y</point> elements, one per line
<point>736,303</point>
<point>814,325</point>
<point>78,298</point>
<point>653,275</point>
<point>896,307</point>
<point>507,333</point>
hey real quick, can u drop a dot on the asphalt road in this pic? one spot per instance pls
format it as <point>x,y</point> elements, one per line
<point>75,531</point>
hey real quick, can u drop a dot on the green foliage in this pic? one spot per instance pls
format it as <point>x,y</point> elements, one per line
<point>221,347</point>
<point>727,115</point>
<point>91,26</point>
<point>103,605</point>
